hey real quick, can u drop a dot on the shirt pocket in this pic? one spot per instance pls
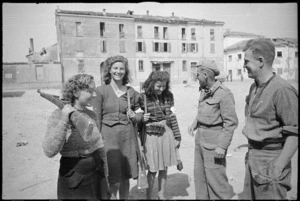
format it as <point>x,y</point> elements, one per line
<point>213,107</point>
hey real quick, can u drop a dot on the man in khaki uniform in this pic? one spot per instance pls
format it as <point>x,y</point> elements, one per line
<point>215,122</point>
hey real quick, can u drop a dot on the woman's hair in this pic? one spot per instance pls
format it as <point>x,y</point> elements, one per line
<point>155,76</point>
<point>107,66</point>
<point>261,47</point>
<point>74,84</point>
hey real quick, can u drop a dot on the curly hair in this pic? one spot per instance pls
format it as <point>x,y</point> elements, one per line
<point>76,83</point>
<point>107,67</point>
<point>155,76</point>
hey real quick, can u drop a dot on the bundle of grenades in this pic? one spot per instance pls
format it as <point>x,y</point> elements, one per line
<point>155,128</point>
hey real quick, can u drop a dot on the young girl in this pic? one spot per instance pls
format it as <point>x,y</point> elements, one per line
<point>161,139</point>
<point>83,168</point>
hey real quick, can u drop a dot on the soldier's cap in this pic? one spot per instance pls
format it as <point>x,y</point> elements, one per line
<point>209,64</point>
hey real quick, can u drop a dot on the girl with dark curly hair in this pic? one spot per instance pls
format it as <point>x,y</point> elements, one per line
<point>83,165</point>
<point>111,107</point>
<point>161,137</point>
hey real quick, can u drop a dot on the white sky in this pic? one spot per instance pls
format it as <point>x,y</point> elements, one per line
<point>22,21</point>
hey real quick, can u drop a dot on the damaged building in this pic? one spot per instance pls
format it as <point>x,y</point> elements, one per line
<point>174,44</point>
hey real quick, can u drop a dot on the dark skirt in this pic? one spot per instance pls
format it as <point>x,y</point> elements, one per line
<point>82,178</point>
<point>121,152</point>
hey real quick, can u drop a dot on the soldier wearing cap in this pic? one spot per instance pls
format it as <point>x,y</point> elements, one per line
<point>215,123</point>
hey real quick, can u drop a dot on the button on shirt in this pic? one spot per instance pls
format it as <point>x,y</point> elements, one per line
<point>271,110</point>
<point>217,108</point>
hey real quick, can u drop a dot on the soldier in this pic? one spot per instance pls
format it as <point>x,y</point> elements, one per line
<point>215,123</point>
<point>271,125</point>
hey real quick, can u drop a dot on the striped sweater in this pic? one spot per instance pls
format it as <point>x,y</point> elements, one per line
<point>161,110</point>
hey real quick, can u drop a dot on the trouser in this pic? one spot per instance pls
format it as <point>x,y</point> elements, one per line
<point>259,182</point>
<point>210,177</point>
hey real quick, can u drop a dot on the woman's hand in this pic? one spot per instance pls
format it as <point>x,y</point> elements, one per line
<point>66,111</point>
<point>131,114</point>
<point>177,144</point>
<point>146,117</point>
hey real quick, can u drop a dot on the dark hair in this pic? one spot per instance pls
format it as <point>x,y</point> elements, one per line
<point>261,47</point>
<point>74,84</point>
<point>107,66</point>
<point>155,76</point>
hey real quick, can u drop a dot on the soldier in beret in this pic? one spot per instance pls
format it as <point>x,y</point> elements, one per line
<point>215,123</point>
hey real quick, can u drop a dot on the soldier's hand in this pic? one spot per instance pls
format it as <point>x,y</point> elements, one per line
<point>66,111</point>
<point>146,117</point>
<point>191,131</point>
<point>131,114</point>
<point>220,152</point>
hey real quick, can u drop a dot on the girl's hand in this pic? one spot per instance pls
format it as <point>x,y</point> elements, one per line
<point>66,111</point>
<point>131,114</point>
<point>146,117</point>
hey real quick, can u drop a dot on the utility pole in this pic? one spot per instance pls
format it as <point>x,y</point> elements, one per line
<point>60,48</point>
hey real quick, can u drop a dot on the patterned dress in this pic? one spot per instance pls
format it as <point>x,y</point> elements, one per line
<point>160,149</point>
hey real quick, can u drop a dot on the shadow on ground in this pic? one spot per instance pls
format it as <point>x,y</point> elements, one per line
<point>177,185</point>
<point>12,93</point>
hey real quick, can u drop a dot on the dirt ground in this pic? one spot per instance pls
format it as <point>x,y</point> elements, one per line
<point>28,174</point>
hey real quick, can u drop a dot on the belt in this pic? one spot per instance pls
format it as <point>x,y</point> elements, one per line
<point>265,145</point>
<point>217,126</point>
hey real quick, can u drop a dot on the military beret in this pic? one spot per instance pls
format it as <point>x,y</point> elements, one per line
<point>211,65</point>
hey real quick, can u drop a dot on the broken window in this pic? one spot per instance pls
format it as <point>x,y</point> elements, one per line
<point>139,32</point>
<point>184,47</point>
<point>194,47</point>
<point>165,34</point>
<point>212,34</point>
<point>121,30</point>
<point>102,29</point>
<point>230,58</point>
<point>78,29</point>
<point>156,33</point>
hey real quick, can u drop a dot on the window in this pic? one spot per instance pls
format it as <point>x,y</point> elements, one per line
<point>102,29</point>
<point>239,56</point>
<point>230,58</point>
<point>103,46</point>
<point>296,54</point>
<point>165,34</point>
<point>141,66</point>
<point>239,72</point>
<point>184,47</point>
<point>212,34</point>
<point>183,33</point>
<point>122,46</point>
<point>121,30</point>
<point>78,29</point>
<point>212,48</point>
<point>279,54</point>
<point>184,68</point>
<point>156,33</point>
<point>140,47</point>
<point>193,34</point>
<point>165,47</point>
<point>156,47</point>
<point>279,71</point>
<point>81,66</point>
<point>139,32</point>
<point>194,47</point>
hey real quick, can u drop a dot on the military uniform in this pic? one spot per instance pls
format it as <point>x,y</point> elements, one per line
<point>216,121</point>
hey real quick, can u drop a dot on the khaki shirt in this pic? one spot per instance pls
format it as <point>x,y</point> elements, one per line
<point>216,108</point>
<point>271,110</point>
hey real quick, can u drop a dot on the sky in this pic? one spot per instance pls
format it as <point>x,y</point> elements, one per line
<point>22,21</point>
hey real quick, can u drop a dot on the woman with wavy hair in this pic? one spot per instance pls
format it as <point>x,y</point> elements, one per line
<point>83,164</point>
<point>114,116</point>
<point>161,138</point>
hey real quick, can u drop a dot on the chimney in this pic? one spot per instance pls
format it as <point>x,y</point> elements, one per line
<point>172,14</point>
<point>147,12</point>
<point>104,11</point>
<point>31,45</point>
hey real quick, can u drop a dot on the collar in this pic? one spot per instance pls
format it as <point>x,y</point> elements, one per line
<point>266,83</point>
